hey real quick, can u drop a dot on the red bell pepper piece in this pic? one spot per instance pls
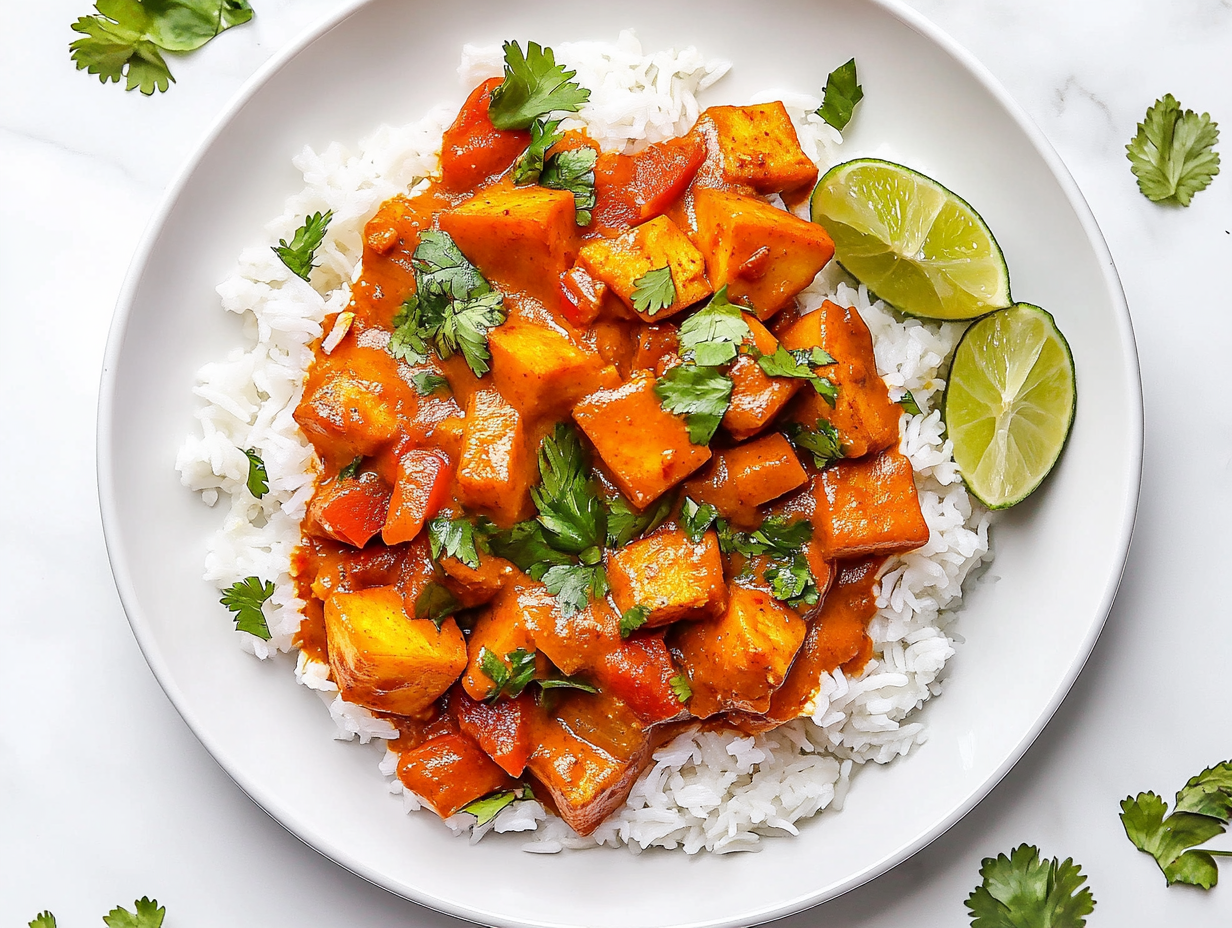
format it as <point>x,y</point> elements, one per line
<point>350,511</point>
<point>662,171</point>
<point>421,489</point>
<point>473,149</point>
<point>502,729</point>
<point>449,772</point>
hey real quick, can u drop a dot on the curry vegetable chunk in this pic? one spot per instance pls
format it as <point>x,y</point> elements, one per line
<point>496,467</point>
<point>670,576</point>
<point>757,398</point>
<point>760,147</point>
<point>869,506</point>
<point>540,371</point>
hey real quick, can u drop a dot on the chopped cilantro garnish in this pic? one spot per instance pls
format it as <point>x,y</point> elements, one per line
<point>791,581</point>
<point>258,477</point>
<point>453,538</point>
<point>681,687</point>
<point>570,509</point>
<point>712,335</point>
<point>426,383</point>
<point>534,85</point>
<point>489,807</point>
<point>302,249</point>
<point>1022,891</point>
<point>800,364</point>
<point>1173,155</point>
<point>543,135</point>
<point>526,545</point>
<point>696,518</point>
<point>511,675</point>
<point>700,394</point>
<point>842,93</point>
<point>245,599</point>
<point>822,442</point>
<point>575,585</point>
<point>349,472</point>
<point>633,619</point>
<point>654,291</point>
<point>910,406</point>
<point>436,603</point>
<point>573,170</point>
<point>778,537</point>
<point>566,683</point>
<point>624,523</point>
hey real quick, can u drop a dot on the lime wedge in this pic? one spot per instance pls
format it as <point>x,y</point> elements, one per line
<point>911,241</point>
<point>1009,403</point>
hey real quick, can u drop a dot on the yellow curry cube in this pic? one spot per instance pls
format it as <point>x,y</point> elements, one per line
<point>539,370</point>
<point>760,147</point>
<point>384,659</point>
<point>621,261</point>
<point>764,255</point>
<point>669,575</point>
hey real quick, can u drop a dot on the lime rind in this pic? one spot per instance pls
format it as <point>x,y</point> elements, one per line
<point>1009,403</point>
<point>916,244</point>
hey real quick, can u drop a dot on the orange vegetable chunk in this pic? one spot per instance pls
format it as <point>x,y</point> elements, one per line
<point>672,577</point>
<point>475,586</point>
<point>577,642</point>
<point>347,413</point>
<point>505,627</point>
<point>743,477</point>
<point>756,397</point>
<point>502,729</point>
<point>472,149</point>
<point>640,673</point>
<point>621,261</point>
<point>760,147</point>
<point>764,255</point>
<point>866,419</point>
<point>422,487</point>
<point>382,658</point>
<point>538,370</point>
<point>496,470</point>
<point>645,447</point>
<point>738,660</point>
<point>449,772</point>
<point>868,506</point>
<point>350,511</point>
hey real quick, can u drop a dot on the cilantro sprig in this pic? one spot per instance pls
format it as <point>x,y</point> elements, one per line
<point>799,364</point>
<point>1173,153</point>
<point>245,598</point>
<point>543,135</point>
<point>125,39</point>
<point>632,619</point>
<point>624,523</point>
<point>510,675</point>
<point>822,442</point>
<point>428,383</point>
<point>298,254</point>
<point>842,93</point>
<point>573,170</point>
<point>454,538</point>
<point>534,85</point>
<point>681,687</point>
<point>700,394</point>
<point>436,603</point>
<point>781,540</point>
<point>909,404</point>
<point>1023,891</point>
<point>696,518</point>
<point>654,291</point>
<point>712,336</point>
<point>258,477</point>
<point>1201,812</point>
<point>488,807</point>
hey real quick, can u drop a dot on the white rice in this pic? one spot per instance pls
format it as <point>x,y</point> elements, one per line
<point>705,790</point>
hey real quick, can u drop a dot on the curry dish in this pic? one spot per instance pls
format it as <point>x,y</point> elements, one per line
<point>588,475</point>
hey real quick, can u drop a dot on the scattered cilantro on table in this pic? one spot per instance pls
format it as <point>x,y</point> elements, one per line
<point>1173,153</point>
<point>258,477</point>
<point>43,920</point>
<point>302,249</point>
<point>543,135</point>
<point>573,170</point>
<point>700,394</point>
<point>1202,810</point>
<point>126,38</point>
<point>654,291</point>
<point>534,85</point>
<point>842,93</point>
<point>1022,891</point>
<point>245,598</point>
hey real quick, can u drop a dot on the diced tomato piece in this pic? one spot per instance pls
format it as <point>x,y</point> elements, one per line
<point>502,729</point>
<point>449,772</point>
<point>473,149</point>
<point>581,296</point>
<point>350,511</point>
<point>421,490</point>
<point>639,673</point>
<point>662,171</point>
<point>615,203</point>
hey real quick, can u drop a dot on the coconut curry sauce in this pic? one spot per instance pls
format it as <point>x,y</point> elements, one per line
<point>586,473</point>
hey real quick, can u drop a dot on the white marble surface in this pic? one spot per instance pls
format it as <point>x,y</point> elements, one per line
<point>105,795</point>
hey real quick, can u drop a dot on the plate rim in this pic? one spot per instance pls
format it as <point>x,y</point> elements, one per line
<point>268,803</point>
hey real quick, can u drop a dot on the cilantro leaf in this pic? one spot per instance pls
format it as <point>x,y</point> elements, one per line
<point>510,675</point>
<point>436,603</point>
<point>543,135</point>
<point>349,472</point>
<point>842,93</point>
<point>714,332</point>
<point>455,538</point>
<point>526,545</point>
<point>442,269</point>
<point>148,914</point>
<point>1022,891</point>
<point>799,364</point>
<point>1169,839</point>
<point>298,255</point>
<point>575,585</point>
<point>1209,793</point>
<point>465,330</point>
<point>910,406</point>
<point>258,478</point>
<point>696,518</point>
<point>569,506</point>
<point>791,581</point>
<point>1173,153</point>
<point>632,619</point>
<point>245,598</point>
<point>700,394</point>
<point>624,523</point>
<point>489,807</point>
<point>43,920</point>
<point>777,537</point>
<point>681,687</point>
<point>654,291</point>
<point>534,86</point>
<point>409,341</point>
<point>822,442</point>
<point>566,683</point>
<point>427,382</point>
<point>573,170</point>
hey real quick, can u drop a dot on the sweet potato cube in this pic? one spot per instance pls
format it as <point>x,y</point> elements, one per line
<point>738,660</point>
<point>764,255</point>
<point>645,447</point>
<point>587,755</point>
<point>539,370</point>
<point>756,397</point>
<point>760,147</point>
<point>523,238</point>
<point>503,628</point>
<point>496,469</point>
<point>745,476</point>
<point>502,729</point>
<point>621,261</point>
<point>866,419</point>
<point>672,577</point>
<point>449,772</point>
<point>578,642</point>
<point>348,414</point>
<point>382,658</point>
<point>868,506</point>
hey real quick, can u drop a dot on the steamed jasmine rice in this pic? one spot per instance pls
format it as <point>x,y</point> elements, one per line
<point>705,790</point>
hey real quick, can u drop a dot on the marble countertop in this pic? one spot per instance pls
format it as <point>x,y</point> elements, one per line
<point>105,795</point>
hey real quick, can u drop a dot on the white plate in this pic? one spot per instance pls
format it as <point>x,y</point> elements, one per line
<point>1028,628</point>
